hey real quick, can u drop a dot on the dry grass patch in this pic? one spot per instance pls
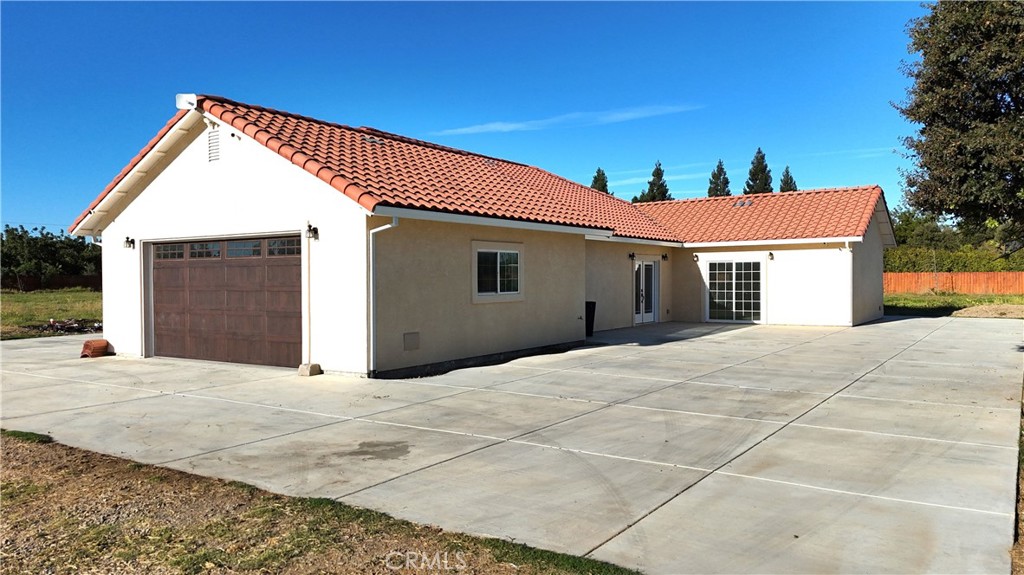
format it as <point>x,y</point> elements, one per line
<point>20,312</point>
<point>68,510</point>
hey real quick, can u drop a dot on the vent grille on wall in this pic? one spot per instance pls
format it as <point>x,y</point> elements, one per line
<point>213,144</point>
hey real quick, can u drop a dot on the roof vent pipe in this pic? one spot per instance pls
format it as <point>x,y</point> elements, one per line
<point>185,101</point>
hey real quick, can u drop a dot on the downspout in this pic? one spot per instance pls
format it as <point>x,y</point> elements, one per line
<point>372,371</point>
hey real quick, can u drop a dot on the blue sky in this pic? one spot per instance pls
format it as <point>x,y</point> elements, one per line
<point>566,87</point>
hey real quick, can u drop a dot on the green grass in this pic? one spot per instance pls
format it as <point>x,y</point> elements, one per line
<point>21,311</point>
<point>941,304</point>
<point>26,436</point>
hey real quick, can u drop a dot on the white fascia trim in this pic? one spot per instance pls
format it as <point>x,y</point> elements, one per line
<point>851,239</point>
<point>622,240</point>
<point>157,153</point>
<point>484,221</point>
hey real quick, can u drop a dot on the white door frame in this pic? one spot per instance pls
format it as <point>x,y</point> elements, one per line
<point>645,301</point>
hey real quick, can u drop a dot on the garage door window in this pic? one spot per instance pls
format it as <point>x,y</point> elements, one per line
<point>204,250</point>
<point>169,252</point>
<point>284,247</point>
<point>245,249</point>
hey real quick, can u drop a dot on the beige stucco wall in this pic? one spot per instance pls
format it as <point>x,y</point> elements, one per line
<point>868,266</point>
<point>249,191</point>
<point>425,285</point>
<point>688,287</point>
<point>610,281</point>
<point>804,284</point>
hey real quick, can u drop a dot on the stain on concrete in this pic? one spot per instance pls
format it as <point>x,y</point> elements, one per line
<point>379,450</point>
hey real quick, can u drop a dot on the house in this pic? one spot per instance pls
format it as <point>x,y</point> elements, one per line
<point>258,236</point>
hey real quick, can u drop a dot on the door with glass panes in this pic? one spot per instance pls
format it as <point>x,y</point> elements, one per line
<point>645,291</point>
<point>734,291</point>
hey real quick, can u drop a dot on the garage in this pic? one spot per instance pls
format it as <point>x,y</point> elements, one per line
<point>236,300</point>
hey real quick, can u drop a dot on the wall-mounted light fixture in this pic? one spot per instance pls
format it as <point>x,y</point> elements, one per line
<point>312,232</point>
<point>129,242</point>
<point>695,258</point>
<point>664,257</point>
<point>632,256</point>
<point>771,256</point>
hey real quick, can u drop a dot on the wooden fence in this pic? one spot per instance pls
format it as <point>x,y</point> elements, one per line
<point>954,282</point>
<point>31,283</point>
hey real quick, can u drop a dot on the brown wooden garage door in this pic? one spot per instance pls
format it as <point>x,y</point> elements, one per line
<point>229,300</point>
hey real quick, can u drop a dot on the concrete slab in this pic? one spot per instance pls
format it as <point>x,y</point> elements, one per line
<point>560,500</point>
<point>664,369</point>
<point>697,441</point>
<point>779,379</point>
<point>988,393</point>
<point>477,377</point>
<point>959,475</point>
<point>910,467</point>
<point>490,413</point>
<point>962,373</point>
<point>168,427</point>
<point>332,460</point>
<point>745,402</point>
<point>584,385</point>
<point>734,525</point>
<point>334,395</point>
<point>54,399</point>
<point>958,423</point>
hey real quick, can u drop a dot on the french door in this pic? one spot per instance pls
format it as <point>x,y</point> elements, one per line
<point>734,291</point>
<point>645,291</point>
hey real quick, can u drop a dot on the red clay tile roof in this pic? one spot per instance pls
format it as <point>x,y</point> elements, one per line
<point>822,213</point>
<point>376,168</point>
<point>128,169</point>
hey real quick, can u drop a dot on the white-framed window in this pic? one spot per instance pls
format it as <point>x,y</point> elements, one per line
<point>734,291</point>
<point>497,272</point>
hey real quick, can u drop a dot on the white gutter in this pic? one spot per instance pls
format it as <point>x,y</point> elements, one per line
<point>846,240</point>
<point>484,221</point>
<point>622,240</point>
<point>372,371</point>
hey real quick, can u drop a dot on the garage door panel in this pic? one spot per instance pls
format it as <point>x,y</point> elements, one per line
<point>281,326</point>
<point>279,353</point>
<point>248,325</point>
<point>170,298</point>
<point>280,274</point>
<point>233,306</point>
<point>243,300</point>
<point>170,277</point>
<point>244,274</point>
<point>283,301</point>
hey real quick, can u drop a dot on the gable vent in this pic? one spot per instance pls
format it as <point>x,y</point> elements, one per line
<point>213,144</point>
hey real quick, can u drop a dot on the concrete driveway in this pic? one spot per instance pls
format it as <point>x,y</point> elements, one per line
<point>890,447</point>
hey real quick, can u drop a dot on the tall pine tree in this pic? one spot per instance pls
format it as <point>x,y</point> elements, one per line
<point>759,181</point>
<point>600,181</point>
<point>786,182</point>
<point>657,189</point>
<point>718,184</point>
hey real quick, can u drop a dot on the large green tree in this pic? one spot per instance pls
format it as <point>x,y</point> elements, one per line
<point>968,101</point>
<point>786,182</point>
<point>600,181</point>
<point>657,188</point>
<point>718,184</point>
<point>759,180</point>
<point>41,254</point>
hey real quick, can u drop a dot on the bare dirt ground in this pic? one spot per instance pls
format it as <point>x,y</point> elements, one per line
<point>1009,311</point>
<point>67,510</point>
